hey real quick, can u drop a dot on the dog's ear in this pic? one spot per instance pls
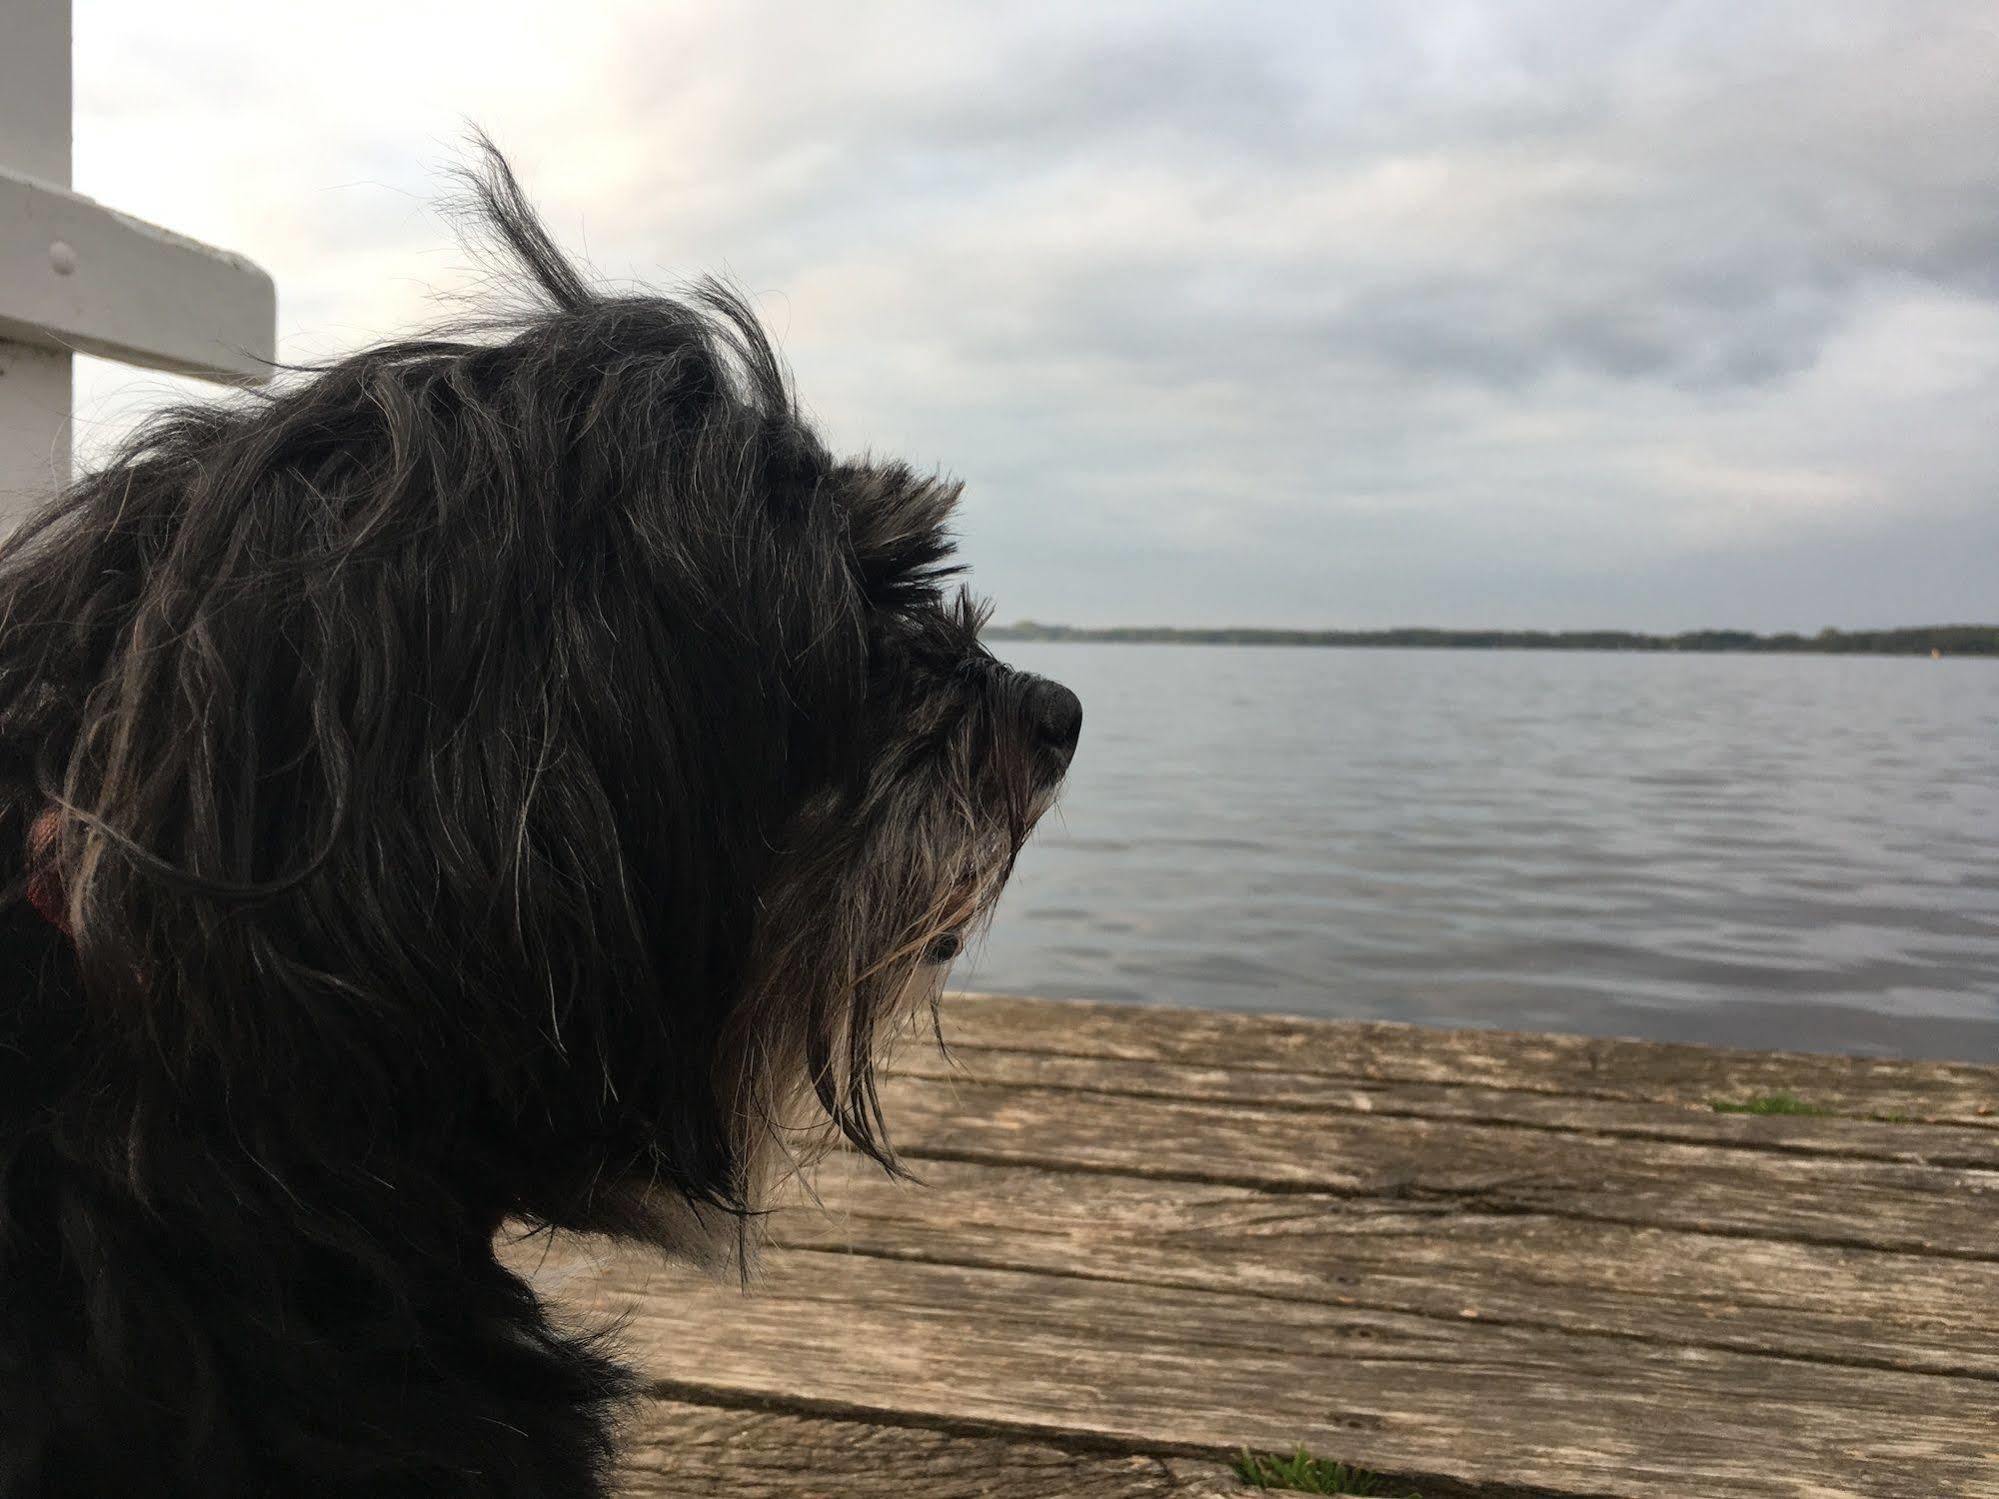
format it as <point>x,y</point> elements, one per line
<point>898,524</point>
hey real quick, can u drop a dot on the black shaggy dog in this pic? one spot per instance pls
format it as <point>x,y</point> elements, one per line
<point>513,776</point>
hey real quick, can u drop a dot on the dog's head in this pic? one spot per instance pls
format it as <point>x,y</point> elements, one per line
<point>518,769</point>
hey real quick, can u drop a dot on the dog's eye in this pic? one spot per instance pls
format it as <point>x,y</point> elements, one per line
<point>943,949</point>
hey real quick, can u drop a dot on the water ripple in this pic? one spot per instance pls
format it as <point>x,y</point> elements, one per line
<point>1761,851</point>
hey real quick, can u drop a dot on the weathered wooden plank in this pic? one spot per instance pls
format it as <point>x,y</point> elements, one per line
<point>1163,1371</point>
<point>1868,1309</point>
<point>1497,1288</point>
<point>1381,1050</point>
<point>1861,1139</point>
<point>1857,1203</point>
<point>679,1450</point>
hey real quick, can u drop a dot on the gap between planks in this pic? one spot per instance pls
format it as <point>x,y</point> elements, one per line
<point>680,1444</point>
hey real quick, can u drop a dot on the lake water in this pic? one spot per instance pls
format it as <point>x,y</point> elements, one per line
<point>1797,852</point>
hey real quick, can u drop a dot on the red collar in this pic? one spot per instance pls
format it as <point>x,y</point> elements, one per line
<point>45,890</point>
<point>45,894</point>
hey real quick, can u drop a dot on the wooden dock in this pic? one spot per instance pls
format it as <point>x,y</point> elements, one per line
<point>1475,1263</point>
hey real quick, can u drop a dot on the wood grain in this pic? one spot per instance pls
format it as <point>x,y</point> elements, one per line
<point>1478,1168</point>
<point>1571,1066</point>
<point>1165,1372</point>
<point>1917,1313</point>
<point>1913,1142</point>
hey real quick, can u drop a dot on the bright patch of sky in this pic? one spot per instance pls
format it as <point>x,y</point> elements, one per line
<point>1561,315</point>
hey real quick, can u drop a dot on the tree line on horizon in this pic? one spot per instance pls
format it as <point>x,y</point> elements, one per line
<point>1920,640</point>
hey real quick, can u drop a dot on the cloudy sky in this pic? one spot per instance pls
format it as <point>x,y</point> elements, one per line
<point>1530,314</point>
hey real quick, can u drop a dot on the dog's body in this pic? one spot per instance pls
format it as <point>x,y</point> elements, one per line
<point>512,778</point>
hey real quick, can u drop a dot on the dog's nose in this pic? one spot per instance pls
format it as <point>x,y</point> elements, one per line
<point>1057,716</point>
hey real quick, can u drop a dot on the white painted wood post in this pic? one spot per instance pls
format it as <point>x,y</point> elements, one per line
<point>75,275</point>
<point>34,136</point>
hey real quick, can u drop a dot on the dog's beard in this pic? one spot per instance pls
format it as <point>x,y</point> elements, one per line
<point>784,1131</point>
<point>783,1142</point>
<point>839,997</point>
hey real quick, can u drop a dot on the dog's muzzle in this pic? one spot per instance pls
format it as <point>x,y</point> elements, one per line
<point>1056,716</point>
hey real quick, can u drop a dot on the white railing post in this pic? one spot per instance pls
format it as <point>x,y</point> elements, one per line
<point>75,275</point>
<point>34,138</point>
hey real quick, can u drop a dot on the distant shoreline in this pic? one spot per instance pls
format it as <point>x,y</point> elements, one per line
<point>1922,640</point>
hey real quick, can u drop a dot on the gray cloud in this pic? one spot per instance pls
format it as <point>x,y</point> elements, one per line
<point>1575,314</point>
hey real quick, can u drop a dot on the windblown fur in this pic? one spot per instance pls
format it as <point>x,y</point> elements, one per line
<point>512,775</point>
